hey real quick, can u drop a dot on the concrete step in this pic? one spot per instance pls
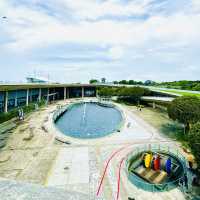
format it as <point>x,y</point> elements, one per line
<point>159,179</point>
<point>150,173</point>
<point>12,190</point>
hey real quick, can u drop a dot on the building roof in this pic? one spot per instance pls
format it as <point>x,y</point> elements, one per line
<point>6,87</point>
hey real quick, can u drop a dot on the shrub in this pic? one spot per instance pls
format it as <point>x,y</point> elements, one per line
<point>14,112</point>
<point>186,110</point>
<point>194,142</point>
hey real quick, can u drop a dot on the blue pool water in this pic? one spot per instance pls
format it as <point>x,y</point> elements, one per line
<point>89,120</point>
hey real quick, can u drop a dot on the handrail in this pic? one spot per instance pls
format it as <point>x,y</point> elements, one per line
<point>151,186</point>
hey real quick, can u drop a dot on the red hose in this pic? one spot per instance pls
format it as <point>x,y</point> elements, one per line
<point>107,163</point>
<point>119,177</point>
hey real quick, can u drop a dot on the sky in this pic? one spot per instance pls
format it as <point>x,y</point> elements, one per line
<point>78,40</point>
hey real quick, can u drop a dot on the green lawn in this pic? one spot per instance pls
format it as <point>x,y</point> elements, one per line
<point>181,93</point>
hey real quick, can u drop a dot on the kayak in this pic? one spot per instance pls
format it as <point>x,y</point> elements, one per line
<point>168,165</point>
<point>157,163</point>
<point>147,160</point>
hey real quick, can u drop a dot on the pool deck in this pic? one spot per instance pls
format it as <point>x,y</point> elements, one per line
<point>79,166</point>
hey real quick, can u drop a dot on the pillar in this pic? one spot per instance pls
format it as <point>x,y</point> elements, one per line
<point>6,102</point>
<point>65,93</point>
<point>82,92</point>
<point>47,95</point>
<point>40,95</point>
<point>16,99</point>
<point>27,95</point>
<point>96,92</point>
<point>154,105</point>
<point>68,93</point>
<point>30,95</point>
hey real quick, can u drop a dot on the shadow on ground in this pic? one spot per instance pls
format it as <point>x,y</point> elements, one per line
<point>173,131</point>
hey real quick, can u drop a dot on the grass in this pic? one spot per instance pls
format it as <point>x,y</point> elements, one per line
<point>181,93</point>
<point>159,120</point>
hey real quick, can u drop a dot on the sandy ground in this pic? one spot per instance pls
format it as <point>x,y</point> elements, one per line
<point>78,166</point>
<point>29,159</point>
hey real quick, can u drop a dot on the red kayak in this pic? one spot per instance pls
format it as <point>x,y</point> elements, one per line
<point>157,163</point>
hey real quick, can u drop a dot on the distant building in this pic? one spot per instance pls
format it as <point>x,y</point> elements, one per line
<point>34,79</point>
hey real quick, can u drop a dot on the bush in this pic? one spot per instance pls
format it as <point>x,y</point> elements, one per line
<point>7,116</point>
<point>14,112</point>
<point>128,94</point>
<point>194,142</point>
<point>186,110</point>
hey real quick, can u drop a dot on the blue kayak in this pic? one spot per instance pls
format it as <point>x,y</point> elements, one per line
<point>168,166</point>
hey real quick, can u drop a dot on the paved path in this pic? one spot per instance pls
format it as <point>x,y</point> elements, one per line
<point>12,190</point>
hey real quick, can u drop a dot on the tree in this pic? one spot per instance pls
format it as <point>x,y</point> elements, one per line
<point>131,82</point>
<point>186,110</point>
<point>93,81</point>
<point>183,84</point>
<point>103,80</point>
<point>197,87</point>
<point>194,142</point>
<point>149,82</point>
<point>123,82</point>
<point>132,94</point>
<point>106,92</point>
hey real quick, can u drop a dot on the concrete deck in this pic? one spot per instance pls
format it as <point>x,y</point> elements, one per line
<point>80,165</point>
<point>12,190</point>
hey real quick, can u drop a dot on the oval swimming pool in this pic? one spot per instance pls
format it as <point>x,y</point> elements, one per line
<point>89,120</point>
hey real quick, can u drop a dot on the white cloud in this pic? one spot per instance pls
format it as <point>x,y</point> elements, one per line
<point>30,29</point>
<point>196,5</point>
<point>91,9</point>
<point>191,68</point>
<point>116,52</point>
<point>42,30</point>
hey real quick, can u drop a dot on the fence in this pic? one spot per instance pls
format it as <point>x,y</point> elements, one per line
<point>139,182</point>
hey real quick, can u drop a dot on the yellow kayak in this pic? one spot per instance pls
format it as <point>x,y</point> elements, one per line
<point>147,160</point>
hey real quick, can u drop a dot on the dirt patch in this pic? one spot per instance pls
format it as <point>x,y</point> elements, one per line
<point>30,150</point>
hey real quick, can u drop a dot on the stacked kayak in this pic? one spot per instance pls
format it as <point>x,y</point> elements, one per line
<point>154,162</point>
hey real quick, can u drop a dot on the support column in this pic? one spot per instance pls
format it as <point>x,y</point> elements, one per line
<point>65,93</point>
<point>154,105</point>
<point>96,92</point>
<point>6,102</point>
<point>47,95</point>
<point>82,92</point>
<point>40,95</point>
<point>68,93</point>
<point>16,99</point>
<point>27,95</point>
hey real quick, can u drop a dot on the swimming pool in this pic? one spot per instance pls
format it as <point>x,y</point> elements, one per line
<point>89,120</point>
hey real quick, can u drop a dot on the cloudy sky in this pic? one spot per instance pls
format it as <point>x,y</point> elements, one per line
<point>76,40</point>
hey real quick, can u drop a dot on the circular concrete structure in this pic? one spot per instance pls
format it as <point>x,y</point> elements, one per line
<point>156,180</point>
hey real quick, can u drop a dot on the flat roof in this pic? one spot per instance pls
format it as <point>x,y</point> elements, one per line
<point>157,99</point>
<point>7,87</point>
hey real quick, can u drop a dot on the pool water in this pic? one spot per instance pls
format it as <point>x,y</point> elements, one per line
<point>89,120</point>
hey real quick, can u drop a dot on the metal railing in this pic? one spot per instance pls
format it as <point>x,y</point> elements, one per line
<point>139,182</point>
